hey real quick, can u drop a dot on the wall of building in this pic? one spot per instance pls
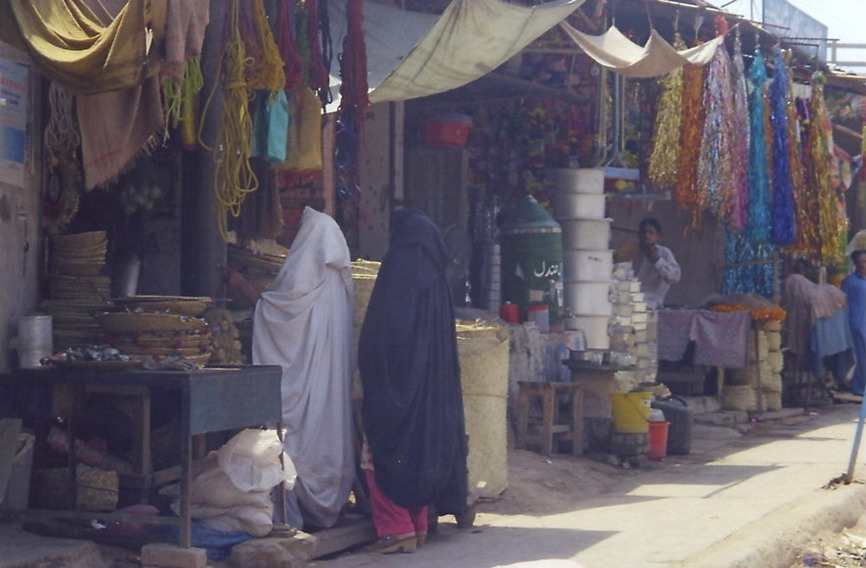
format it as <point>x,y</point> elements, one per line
<point>21,246</point>
<point>700,251</point>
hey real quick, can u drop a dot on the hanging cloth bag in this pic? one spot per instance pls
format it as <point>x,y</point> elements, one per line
<point>271,127</point>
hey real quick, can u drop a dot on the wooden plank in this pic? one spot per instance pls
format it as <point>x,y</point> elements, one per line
<point>336,539</point>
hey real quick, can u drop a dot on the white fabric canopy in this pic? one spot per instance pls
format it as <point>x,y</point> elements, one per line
<point>411,55</point>
<point>303,322</point>
<point>657,57</point>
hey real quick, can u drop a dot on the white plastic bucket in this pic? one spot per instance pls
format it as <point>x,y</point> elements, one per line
<point>580,180</point>
<point>593,327</point>
<point>588,265</point>
<point>34,341</point>
<point>588,298</point>
<point>588,234</point>
<point>569,205</point>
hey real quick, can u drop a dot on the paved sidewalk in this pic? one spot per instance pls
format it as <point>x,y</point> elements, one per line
<point>744,503</point>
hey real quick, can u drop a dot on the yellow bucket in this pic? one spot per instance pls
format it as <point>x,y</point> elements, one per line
<point>631,411</point>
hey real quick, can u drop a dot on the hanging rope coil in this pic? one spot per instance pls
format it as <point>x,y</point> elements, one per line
<point>234,177</point>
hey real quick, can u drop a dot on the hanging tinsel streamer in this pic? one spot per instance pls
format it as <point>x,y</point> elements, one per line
<point>804,222</point>
<point>808,244</point>
<point>819,150</point>
<point>750,266</point>
<point>353,102</point>
<point>663,161</point>
<point>686,193</point>
<point>739,139</point>
<point>759,215</point>
<point>863,143</point>
<point>715,180</point>
<point>782,229</point>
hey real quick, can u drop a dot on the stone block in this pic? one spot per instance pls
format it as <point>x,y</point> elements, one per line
<point>164,555</point>
<point>292,552</point>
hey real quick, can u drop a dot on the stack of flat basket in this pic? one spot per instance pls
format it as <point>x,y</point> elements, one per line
<point>77,288</point>
<point>159,327</point>
<point>259,268</point>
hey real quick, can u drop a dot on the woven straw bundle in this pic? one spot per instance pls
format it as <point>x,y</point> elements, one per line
<point>483,354</point>
<point>772,383</point>
<point>775,361</point>
<point>736,397</point>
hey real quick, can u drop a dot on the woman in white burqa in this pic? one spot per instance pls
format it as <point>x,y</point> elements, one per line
<point>303,323</point>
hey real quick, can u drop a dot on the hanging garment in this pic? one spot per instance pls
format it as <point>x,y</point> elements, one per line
<point>303,322</point>
<point>407,356</point>
<point>116,126</point>
<point>85,48</point>
<point>656,57</point>
<point>415,55</point>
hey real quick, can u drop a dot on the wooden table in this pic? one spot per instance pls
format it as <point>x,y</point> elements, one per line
<point>211,400</point>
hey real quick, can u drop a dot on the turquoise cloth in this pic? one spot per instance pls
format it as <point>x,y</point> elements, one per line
<point>854,287</point>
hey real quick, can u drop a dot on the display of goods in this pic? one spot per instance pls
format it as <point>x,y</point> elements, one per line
<point>180,305</point>
<point>127,322</point>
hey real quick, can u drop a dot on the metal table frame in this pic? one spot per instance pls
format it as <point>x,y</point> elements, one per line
<point>211,400</point>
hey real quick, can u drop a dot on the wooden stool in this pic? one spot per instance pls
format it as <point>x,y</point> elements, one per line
<point>554,425</point>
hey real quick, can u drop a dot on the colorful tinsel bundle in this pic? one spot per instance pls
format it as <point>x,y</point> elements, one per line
<point>739,140</point>
<point>759,216</point>
<point>782,230</point>
<point>664,159</point>
<point>715,179</point>
<point>750,266</point>
<point>819,150</point>
<point>685,193</point>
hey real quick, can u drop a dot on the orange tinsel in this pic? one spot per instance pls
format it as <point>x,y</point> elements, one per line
<point>686,192</point>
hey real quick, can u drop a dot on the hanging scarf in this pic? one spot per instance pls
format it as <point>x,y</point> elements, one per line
<point>783,229</point>
<point>759,215</point>
<point>740,139</point>
<point>686,192</point>
<point>715,169</point>
<point>663,161</point>
<point>819,150</point>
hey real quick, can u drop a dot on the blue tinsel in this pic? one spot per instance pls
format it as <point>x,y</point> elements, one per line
<point>744,275</point>
<point>782,230</point>
<point>759,214</point>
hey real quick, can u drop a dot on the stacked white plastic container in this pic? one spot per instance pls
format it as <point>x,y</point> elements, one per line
<point>587,260</point>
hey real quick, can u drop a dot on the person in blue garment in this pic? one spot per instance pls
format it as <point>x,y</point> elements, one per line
<point>854,287</point>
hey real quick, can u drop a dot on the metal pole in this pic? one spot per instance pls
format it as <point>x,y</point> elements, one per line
<point>849,475</point>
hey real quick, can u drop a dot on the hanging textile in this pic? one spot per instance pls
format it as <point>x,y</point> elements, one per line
<point>820,153</point>
<point>663,161</point>
<point>293,65</point>
<point>655,58</point>
<point>470,39</point>
<point>686,192</point>
<point>759,193</point>
<point>78,44</point>
<point>715,164</point>
<point>782,228</point>
<point>181,71</point>
<point>739,139</point>
<point>263,67</point>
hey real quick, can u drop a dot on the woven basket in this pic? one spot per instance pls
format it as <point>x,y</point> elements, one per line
<point>122,322</point>
<point>735,397</point>
<point>79,240</point>
<point>96,489</point>
<point>484,376</point>
<point>180,306</point>
<point>771,383</point>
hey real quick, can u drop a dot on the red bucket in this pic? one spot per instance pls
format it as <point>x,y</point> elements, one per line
<point>658,439</point>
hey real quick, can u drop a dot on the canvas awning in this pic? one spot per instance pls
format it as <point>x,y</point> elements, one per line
<point>655,58</point>
<point>411,55</point>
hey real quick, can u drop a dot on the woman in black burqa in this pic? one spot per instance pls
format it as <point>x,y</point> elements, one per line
<point>412,398</point>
